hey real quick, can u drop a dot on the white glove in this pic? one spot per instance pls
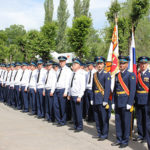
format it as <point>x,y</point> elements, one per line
<point>91,102</point>
<point>113,106</point>
<point>128,107</point>
<point>105,103</point>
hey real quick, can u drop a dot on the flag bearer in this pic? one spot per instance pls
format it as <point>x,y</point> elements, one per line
<point>101,90</point>
<point>123,99</point>
<point>142,97</point>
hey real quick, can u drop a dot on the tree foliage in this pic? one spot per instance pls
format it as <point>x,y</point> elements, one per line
<point>78,35</point>
<point>49,9</point>
<point>62,16</point>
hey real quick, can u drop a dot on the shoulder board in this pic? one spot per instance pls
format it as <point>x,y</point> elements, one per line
<point>105,71</point>
<point>149,71</point>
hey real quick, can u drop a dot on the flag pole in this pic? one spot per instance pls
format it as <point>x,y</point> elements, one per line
<point>132,117</point>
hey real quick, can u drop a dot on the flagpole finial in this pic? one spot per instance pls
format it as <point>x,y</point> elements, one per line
<point>116,18</point>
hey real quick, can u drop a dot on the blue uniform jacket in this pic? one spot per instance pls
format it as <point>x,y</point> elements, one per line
<point>121,100</point>
<point>142,98</point>
<point>105,80</point>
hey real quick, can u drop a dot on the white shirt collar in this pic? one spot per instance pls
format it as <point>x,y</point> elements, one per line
<point>143,72</point>
<point>100,71</point>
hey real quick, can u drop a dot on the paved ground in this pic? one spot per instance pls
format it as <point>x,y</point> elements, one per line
<point>19,131</point>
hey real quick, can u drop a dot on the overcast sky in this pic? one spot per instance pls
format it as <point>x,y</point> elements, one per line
<point>30,13</point>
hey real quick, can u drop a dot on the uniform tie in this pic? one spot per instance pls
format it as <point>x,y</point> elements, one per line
<point>4,74</point>
<point>15,75</point>
<point>11,76</point>
<point>38,76</point>
<point>90,78</point>
<point>30,77</point>
<point>47,77</point>
<point>59,74</point>
<point>72,80</point>
<point>22,76</point>
<point>7,76</point>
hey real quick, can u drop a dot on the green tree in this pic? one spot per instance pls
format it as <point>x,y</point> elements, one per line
<point>4,55</point>
<point>62,15</point>
<point>129,14</point>
<point>49,35</point>
<point>14,35</point>
<point>77,8</point>
<point>85,8</point>
<point>49,9</point>
<point>78,35</point>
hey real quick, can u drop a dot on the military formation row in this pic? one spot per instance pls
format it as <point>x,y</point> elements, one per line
<point>58,93</point>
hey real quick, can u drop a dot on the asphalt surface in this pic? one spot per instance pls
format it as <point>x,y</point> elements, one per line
<point>20,131</point>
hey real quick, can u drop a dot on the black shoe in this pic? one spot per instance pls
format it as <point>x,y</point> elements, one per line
<point>115,144</point>
<point>71,129</point>
<point>76,131</point>
<point>55,123</point>
<point>123,145</point>
<point>95,137</point>
<point>143,141</point>
<point>137,139</point>
<point>60,125</point>
<point>101,139</point>
<point>39,117</point>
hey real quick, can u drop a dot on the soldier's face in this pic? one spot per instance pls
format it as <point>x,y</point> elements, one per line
<point>49,67</point>
<point>143,66</point>
<point>90,67</point>
<point>123,66</point>
<point>40,66</point>
<point>100,66</point>
<point>24,67</point>
<point>75,66</point>
<point>62,63</point>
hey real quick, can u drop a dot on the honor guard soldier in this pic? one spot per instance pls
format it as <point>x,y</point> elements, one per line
<point>7,99</point>
<point>101,90</point>
<point>142,97</point>
<point>49,89</point>
<point>2,72</point>
<point>11,90</point>
<point>3,83</point>
<point>62,87</point>
<point>24,81</point>
<point>89,92</point>
<point>122,101</point>
<point>17,79</point>
<point>40,86</point>
<point>3,75</point>
<point>76,92</point>
<point>32,88</point>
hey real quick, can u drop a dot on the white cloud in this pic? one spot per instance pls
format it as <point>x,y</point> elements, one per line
<point>30,13</point>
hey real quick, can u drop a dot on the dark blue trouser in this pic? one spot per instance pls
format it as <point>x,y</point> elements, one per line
<point>49,106</point>
<point>77,113</point>
<point>40,103</point>
<point>89,107</point>
<point>11,96</point>
<point>7,99</point>
<point>1,90</point>
<point>2,93</point>
<point>123,123</point>
<point>17,96</point>
<point>25,99</point>
<point>101,119</point>
<point>148,127</point>
<point>60,106</point>
<point>32,98</point>
<point>141,114</point>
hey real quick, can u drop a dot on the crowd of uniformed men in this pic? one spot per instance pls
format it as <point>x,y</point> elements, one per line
<point>58,93</point>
